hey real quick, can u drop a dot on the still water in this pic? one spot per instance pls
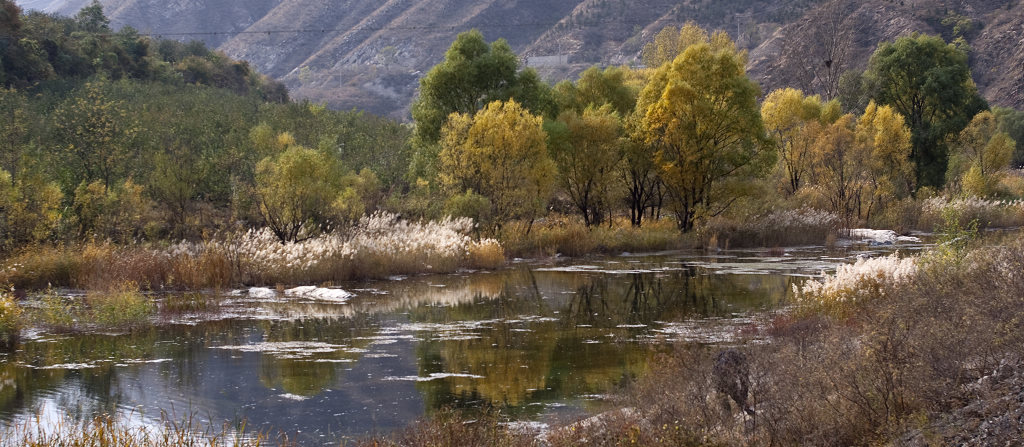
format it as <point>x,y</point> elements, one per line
<point>539,340</point>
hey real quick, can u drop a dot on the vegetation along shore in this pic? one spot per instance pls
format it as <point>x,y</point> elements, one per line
<point>133,166</point>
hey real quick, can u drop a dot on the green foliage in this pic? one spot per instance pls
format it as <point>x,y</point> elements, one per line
<point>595,88</point>
<point>121,306</point>
<point>301,192</point>
<point>472,75</point>
<point>929,83</point>
<point>585,148</point>
<point>29,209</point>
<point>1011,122</point>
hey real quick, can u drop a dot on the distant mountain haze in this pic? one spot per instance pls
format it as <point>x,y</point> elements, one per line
<point>370,54</point>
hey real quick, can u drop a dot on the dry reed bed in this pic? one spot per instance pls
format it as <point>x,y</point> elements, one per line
<point>380,245</point>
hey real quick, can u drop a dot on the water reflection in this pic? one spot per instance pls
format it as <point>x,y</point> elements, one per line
<point>531,339</point>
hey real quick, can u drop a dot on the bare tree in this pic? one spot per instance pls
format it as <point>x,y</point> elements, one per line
<point>818,48</point>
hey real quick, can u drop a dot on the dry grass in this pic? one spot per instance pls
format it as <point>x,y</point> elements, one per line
<point>106,431</point>
<point>380,245</point>
<point>568,236</point>
<point>781,228</point>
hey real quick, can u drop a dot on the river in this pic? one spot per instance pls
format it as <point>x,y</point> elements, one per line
<point>542,341</point>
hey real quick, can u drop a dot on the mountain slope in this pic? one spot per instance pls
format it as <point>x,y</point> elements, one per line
<point>370,54</point>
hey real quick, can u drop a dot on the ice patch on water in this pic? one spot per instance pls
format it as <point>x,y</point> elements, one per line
<point>433,376</point>
<point>630,326</point>
<point>707,331</point>
<point>262,293</point>
<point>319,293</point>
<point>881,237</point>
<point>291,396</point>
<point>286,349</point>
<point>70,366</point>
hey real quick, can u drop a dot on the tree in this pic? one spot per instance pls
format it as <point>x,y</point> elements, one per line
<point>96,133</point>
<point>29,209</point>
<point>670,42</point>
<point>501,154</point>
<point>818,48</point>
<point>1011,122</point>
<point>301,192</point>
<point>587,155</point>
<point>795,121</point>
<point>883,142</point>
<point>596,88</point>
<point>929,83</point>
<point>700,114</point>
<point>472,75</point>
<point>839,168</point>
<point>981,155</point>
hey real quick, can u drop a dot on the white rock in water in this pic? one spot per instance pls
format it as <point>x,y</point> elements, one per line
<point>319,293</point>
<point>262,292</point>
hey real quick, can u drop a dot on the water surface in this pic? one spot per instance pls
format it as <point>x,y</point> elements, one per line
<point>539,340</point>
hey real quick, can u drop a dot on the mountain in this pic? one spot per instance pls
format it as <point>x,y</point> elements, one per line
<point>370,54</point>
<point>795,54</point>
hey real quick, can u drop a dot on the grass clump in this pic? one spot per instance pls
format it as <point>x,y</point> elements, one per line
<point>867,279</point>
<point>120,306</point>
<point>568,236</point>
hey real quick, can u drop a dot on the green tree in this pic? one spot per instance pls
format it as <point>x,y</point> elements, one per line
<point>587,156</point>
<point>500,154</point>
<point>96,134</point>
<point>472,75</point>
<point>301,192</point>
<point>29,209</point>
<point>929,83</point>
<point>1011,122</point>
<point>700,114</point>
<point>596,88</point>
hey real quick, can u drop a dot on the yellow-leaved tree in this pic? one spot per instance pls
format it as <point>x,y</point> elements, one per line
<point>839,168</point>
<point>499,153</point>
<point>883,138</point>
<point>700,114</point>
<point>795,121</point>
<point>981,156</point>
<point>670,42</point>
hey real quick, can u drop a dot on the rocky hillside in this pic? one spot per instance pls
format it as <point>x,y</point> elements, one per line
<point>370,54</point>
<point>796,54</point>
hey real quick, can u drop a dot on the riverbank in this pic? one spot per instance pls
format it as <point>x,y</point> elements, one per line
<point>921,351</point>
